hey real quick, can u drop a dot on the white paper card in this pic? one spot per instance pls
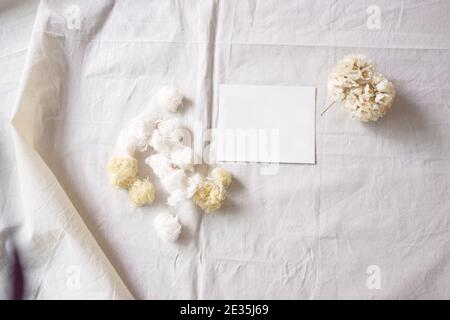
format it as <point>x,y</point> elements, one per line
<point>274,124</point>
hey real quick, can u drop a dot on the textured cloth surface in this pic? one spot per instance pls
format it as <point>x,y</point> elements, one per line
<point>379,194</point>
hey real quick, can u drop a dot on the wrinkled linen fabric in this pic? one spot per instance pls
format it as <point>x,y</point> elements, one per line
<point>16,23</point>
<point>377,196</point>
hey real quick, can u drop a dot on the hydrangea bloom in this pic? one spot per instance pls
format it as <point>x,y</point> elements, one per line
<point>367,95</point>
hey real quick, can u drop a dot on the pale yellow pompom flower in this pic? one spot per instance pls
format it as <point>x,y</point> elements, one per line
<point>142,192</point>
<point>209,196</point>
<point>122,171</point>
<point>221,177</point>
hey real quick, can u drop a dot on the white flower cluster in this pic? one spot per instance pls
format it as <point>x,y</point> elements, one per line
<point>171,161</point>
<point>367,95</point>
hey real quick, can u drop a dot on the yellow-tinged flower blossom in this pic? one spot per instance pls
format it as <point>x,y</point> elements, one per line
<point>365,94</point>
<point>221,176</point>
<point>209,196</point>
<point>142,192</point>
<point>122,171</point>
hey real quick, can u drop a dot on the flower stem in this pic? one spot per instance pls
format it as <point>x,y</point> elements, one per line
<point>328,107</point>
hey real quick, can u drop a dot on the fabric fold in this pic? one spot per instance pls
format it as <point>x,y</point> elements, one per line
<point>61,257</point>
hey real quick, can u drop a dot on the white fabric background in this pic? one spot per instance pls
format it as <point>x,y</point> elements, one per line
<point>378,195</point>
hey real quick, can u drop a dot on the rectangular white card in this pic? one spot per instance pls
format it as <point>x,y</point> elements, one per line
<point>274,124</point>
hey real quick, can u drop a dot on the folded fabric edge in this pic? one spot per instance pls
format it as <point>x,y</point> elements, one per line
<point>41,194</point>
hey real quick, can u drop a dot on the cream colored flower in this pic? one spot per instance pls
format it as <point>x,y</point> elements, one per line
<point>209,196</point>
<point>122,171</point>
<point>211,192</point>
<point>142,192</point>
<point>364,93</point>
<point>221,177</point>
<point>350,72</point>
<point>372,102</point>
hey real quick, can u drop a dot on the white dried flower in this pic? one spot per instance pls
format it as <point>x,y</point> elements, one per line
<point>179,185</point>
<point>175,180</point>
<point>182,157</point>
<point>167,226</point>
<point>160,164</point>
<point>350,72</point>
<point>169,129</point>
<point>170,99</point>
<point>173,162</point>
<point>167,136</point>
<point>136,134</point>
<point>193,182</point>
<point>159,144</point>
<point>367,95</point>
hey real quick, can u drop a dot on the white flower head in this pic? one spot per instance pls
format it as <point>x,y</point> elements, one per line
<point>167,226</point>
<point>170,99</point>
<point>167,136</point>
<point>182,157</point>
<point>136,134</point>
<point>175,180</point>
<point>160,164</point>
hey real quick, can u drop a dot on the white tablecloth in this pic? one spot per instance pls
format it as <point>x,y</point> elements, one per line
<point>376,204</point>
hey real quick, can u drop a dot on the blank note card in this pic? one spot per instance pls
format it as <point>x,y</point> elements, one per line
<point>274,124</point>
